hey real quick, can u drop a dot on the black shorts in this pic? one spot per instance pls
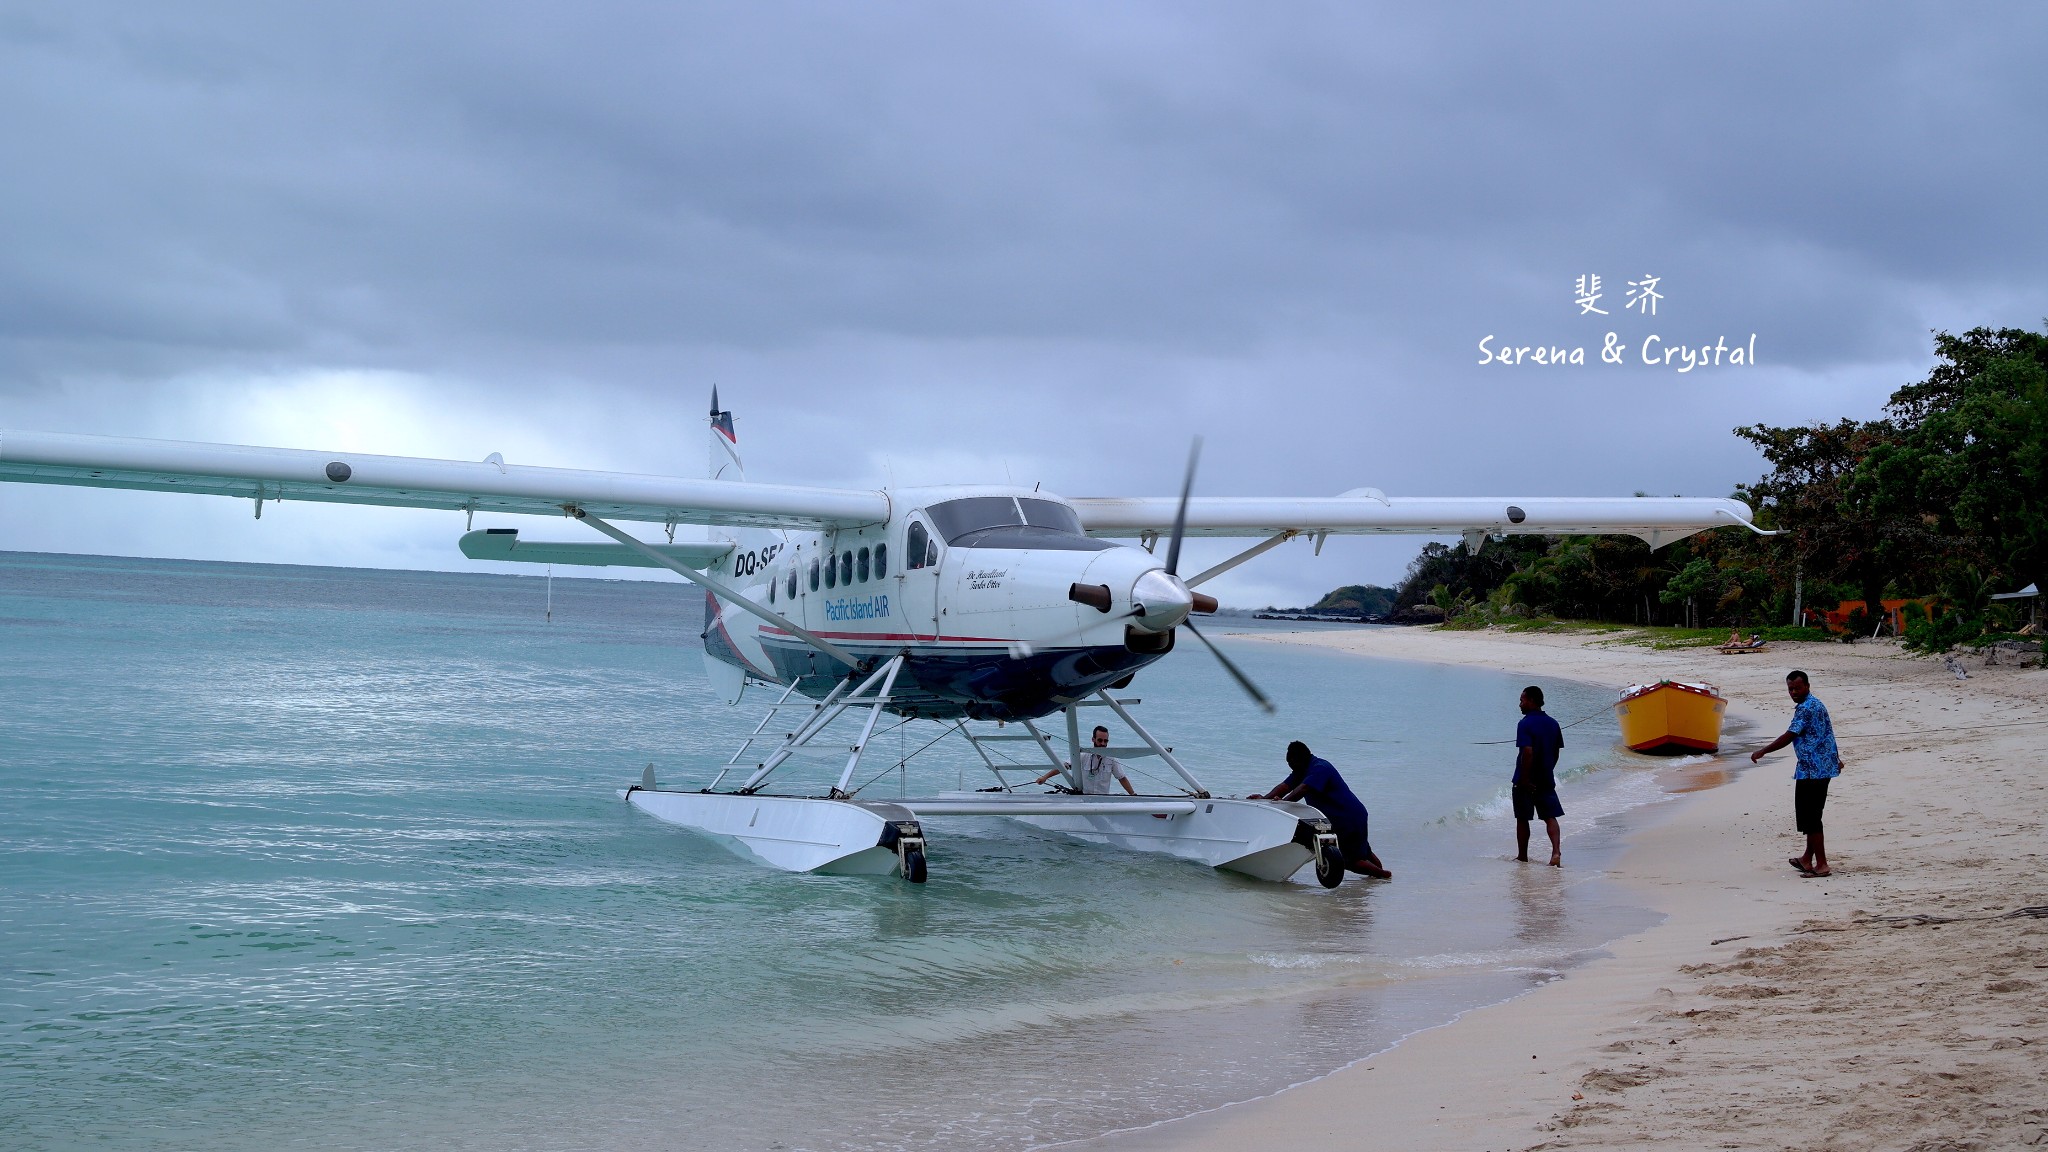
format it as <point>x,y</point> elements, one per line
<point>1808,798</point>
<point>1531,804</point>
<point>1353,839</point>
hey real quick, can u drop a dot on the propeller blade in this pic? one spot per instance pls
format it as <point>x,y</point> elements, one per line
<point>1243,681</point>
<point>1180,515</point>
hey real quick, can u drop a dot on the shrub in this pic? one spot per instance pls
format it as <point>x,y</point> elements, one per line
<point>1942,632</point>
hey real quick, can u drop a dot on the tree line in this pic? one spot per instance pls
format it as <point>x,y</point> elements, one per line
<point>1943,498</point>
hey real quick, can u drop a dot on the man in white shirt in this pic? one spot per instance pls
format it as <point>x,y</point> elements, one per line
<point>1096,769</point>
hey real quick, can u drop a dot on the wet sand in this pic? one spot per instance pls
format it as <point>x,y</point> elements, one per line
<point>1901,1003</point>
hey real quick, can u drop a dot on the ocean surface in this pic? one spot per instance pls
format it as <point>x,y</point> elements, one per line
<point>332,858</point>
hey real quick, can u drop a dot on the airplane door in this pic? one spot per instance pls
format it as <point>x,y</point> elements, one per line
<point>918,579</point>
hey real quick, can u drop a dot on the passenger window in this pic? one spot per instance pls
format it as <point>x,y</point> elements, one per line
<point>771,590</point>
<point>814,573</point>
<point>881,561</point>
<point>831,573</point>
<point>913,546</point>
<point>792,581</point>
<point>846,567</point>
<point>860,565</point>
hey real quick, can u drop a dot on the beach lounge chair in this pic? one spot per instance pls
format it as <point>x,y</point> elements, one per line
<point>1753,644</point>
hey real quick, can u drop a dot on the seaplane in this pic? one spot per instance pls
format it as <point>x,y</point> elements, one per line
<point>987,612</point>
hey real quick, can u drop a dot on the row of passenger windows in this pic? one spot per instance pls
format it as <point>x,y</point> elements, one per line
<point>859,567</point>
<point>849,567</point>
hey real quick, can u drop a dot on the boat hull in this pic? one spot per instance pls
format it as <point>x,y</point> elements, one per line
<point>1671,719</point>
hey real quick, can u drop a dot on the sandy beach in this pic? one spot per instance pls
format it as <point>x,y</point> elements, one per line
<point>1901,1003</point>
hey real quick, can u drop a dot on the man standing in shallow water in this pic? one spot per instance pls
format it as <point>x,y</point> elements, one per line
<point>1812,736</point>
<point>1538,739</point>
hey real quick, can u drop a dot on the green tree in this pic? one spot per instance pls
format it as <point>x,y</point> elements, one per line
<point>1470,576</point>
<point>1685,587</point>
<point>1835,530</point>
<point>1970,456</point>
<point>1363,599</point>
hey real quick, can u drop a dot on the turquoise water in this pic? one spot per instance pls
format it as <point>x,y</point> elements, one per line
<point>333,858</point>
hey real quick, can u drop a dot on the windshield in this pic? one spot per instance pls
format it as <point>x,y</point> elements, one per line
<point>1011,522</point>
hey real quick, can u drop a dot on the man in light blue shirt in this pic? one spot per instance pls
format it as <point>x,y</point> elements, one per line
<point>1812,736</point>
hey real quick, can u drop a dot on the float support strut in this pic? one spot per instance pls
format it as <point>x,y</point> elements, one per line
<point>1163,752</point>
<point>881,700</point>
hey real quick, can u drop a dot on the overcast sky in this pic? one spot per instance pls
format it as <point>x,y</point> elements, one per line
<point>959,242</point>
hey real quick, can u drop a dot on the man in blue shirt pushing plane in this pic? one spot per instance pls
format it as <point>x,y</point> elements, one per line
<point>1538,740</point>
<point>1314,779</point>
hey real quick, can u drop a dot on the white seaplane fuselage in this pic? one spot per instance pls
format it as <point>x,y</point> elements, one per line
<point>973,586</point>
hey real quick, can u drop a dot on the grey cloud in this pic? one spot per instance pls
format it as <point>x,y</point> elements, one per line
<point>1066,234</point>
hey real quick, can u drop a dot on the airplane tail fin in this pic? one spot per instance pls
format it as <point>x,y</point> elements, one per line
<point>725,444</point>
<point>724,663</point>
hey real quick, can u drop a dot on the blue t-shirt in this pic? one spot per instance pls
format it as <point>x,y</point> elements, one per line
<point>1326,792</point>
<point>1813,741</point>
<point>1539,732</point>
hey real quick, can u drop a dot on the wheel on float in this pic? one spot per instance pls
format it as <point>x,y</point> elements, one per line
<point>1329,864</point>
<point>913,865</point>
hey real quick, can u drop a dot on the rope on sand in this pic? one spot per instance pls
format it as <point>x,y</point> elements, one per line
<point>1922,919</point>
<point>1921,731</point>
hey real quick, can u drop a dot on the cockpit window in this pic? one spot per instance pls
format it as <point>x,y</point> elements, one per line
<point>957,518</point>
<point>1047,514</point>
<point>1011,522</point>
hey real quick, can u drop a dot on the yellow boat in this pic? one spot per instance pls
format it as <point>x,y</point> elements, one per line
<point>1671,717</point>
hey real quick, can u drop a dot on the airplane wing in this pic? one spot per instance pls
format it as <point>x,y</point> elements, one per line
<point>418,482</point>
<point>1659,520</point>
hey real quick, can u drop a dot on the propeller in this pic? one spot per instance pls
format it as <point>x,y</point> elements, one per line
<point>1236,673</point>
<point>1098,596</point>
<point>1180,515</point>
<point>1205,603</point>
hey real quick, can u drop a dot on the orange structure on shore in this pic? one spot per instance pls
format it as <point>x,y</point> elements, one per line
<point>1894,610</point>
